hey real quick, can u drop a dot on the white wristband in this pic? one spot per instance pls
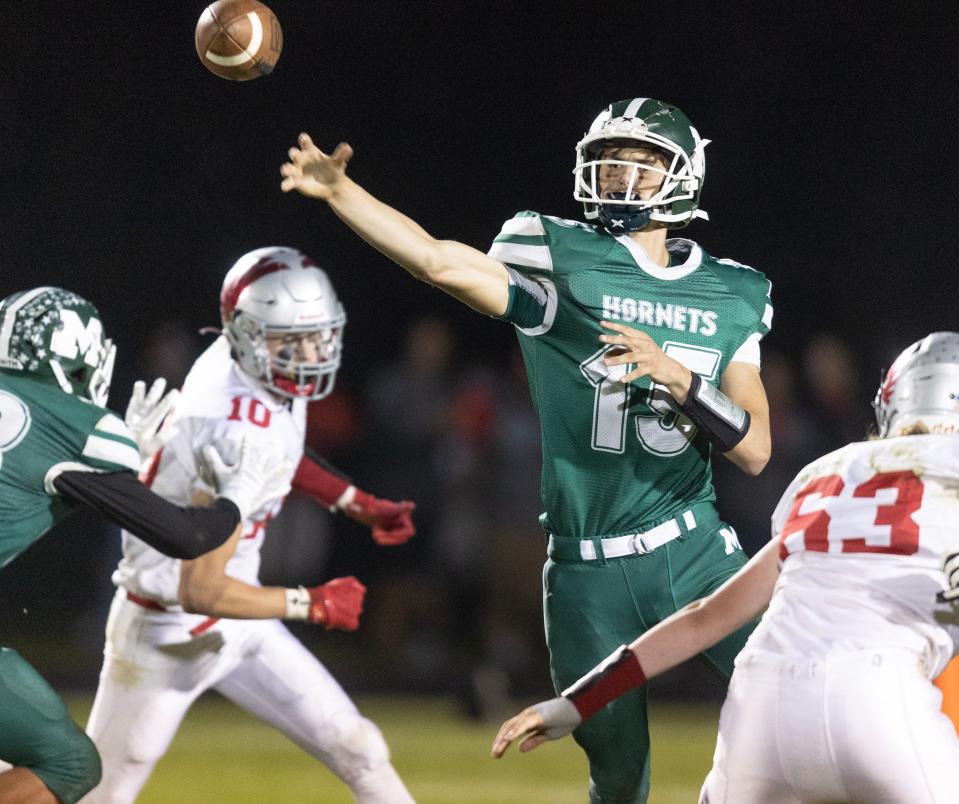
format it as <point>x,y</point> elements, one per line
<point>345,499</point>
<point>297,604</point>
<point>560,717</point>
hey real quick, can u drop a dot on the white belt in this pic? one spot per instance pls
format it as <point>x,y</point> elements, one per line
<point>638,543</point>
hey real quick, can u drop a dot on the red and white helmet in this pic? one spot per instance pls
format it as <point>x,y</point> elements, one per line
<point>921,387</point>
<point>279,290</point>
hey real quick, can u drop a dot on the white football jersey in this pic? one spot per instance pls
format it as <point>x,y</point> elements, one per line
<point>218,405</point>
<point>861,532</point>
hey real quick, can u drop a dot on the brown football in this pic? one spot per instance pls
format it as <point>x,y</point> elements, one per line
<point>238,39</point>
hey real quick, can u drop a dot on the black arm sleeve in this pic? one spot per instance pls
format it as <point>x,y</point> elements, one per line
<point>178,532</point>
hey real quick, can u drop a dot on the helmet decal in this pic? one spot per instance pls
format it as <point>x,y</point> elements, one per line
<point>921,386</point>
<point>74,338</point>
<point>57,334</point>
<point>232,290</point>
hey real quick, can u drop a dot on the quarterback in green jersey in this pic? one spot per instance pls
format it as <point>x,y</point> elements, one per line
<point>642,355</point>
<point>60,448</point>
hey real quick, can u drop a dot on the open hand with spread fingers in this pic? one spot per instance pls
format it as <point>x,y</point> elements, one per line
<point>145,413</point>
<point>312,172</point>
<point>633,346</point>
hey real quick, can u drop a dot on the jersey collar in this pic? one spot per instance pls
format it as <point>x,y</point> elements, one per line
<point>677,247</point>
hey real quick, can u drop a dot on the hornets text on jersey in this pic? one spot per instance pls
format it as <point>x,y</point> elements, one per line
<point>614,456</point>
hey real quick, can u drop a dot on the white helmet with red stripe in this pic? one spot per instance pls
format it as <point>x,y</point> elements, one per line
<point>921,388</point>
<point>281,292</point>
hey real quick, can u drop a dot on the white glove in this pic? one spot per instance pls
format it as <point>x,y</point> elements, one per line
<point>950,567</point>
<point>145,413</point>
<point>251,482</point>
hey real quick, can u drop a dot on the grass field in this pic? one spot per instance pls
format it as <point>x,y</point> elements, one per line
<point>223,755</point>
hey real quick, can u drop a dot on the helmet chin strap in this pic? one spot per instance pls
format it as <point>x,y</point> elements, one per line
<point>622,218</point>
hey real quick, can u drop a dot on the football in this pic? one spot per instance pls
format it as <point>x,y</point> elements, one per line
<point>238,39</point>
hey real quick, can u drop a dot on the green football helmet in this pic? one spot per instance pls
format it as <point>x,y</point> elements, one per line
<point>56,334</point>
<point>652,124</point>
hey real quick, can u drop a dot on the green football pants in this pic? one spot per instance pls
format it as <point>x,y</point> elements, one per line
<point>593,607</point>
<point>36,732</point>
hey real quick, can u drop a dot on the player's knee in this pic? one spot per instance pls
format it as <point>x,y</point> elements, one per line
<point>714,788</point>
<point>72,769</point>
<point>89,767</point>
<point>617,785</point>
<point>359,746</point>
<point>618,770</point>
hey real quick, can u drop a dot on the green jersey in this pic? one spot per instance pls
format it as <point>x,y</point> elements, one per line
<point>618,457</point>
<point>43,432</point>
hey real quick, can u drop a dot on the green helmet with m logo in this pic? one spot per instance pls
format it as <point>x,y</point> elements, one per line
<point>56,334</point>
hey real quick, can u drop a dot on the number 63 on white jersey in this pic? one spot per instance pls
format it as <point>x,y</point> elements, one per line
<point>897,496</point>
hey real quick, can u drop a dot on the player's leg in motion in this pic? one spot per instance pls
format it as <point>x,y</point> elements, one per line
<point>282,683</point>
<point>904,750</point>
<point>52,755</point>
<point>747,765</point>
<point>589,612</point>
<point>697,566</point>
<point>143,695</point>
<point>132,726</point>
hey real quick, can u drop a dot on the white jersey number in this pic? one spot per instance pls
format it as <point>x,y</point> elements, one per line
<point>830,516</point>
<point>14,422</point>
<point>662,430</point>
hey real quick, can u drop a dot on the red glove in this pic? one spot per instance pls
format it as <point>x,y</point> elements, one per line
<point>392,522</point>
<point>337,604</point>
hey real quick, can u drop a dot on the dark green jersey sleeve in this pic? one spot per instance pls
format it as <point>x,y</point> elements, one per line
<point>752,286</point>
<point>108,447</point>
<point>523,247</point>
<point>43,433</point>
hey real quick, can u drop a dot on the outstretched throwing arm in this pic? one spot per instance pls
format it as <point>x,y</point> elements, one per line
<point>464,272</point>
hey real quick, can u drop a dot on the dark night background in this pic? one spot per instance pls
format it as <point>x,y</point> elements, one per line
<point>130,174</point>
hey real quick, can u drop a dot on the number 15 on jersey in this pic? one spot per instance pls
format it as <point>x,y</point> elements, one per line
<point>660,427</point>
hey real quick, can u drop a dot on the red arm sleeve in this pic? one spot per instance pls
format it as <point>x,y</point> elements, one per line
<point>318,482</point>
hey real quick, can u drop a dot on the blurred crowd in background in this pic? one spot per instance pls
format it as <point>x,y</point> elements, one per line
<point>457,611</point>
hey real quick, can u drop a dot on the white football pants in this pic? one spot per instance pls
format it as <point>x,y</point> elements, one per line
<point>858,726</point>
<point>146,689</point>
